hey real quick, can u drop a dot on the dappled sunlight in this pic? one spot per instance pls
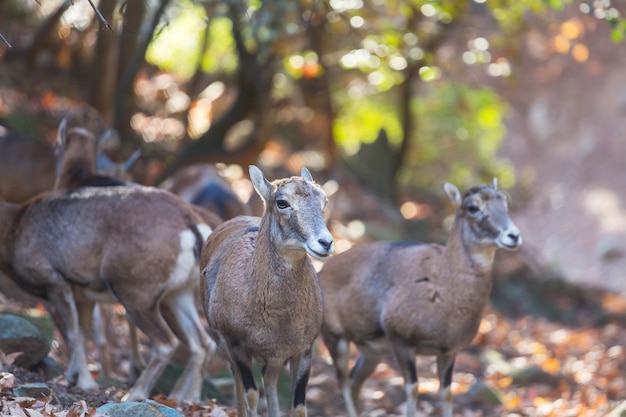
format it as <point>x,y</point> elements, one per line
<point>157,129</point>
<point>607,210</point>
<point>415,211</point>
<point>377,96</point>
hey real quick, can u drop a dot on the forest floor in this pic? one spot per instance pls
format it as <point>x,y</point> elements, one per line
<point>544,348</point>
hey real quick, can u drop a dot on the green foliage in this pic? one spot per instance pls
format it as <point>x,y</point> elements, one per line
<point>510,14</point>
<point>373,43</point>
<point>178,47</point>
<point>459,130</point>
<point>618,29</point>
<point>359,121</point>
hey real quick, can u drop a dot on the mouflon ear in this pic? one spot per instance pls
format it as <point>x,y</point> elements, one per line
<point>306,174</point>
<point>453,194</point>
<point>261,184</point>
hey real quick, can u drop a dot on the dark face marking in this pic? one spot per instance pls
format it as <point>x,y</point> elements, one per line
<point>486,209</point>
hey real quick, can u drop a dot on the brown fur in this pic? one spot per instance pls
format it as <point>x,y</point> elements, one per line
<point>261,293</point>
<point>414,298</point>
<point>77,156</point>
<point>191,182</point>
<point>26,167</point>
<point>112,243</point>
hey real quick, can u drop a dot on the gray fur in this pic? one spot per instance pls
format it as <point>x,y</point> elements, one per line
<point>132,245</point>
<point>415,299</point>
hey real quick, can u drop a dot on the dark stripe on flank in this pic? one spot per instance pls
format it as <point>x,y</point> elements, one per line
<point>199,240</point>
<point>404,244</point>
<point>102,181</point>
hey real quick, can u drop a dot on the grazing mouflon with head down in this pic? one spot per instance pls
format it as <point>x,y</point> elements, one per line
<point>408,298</point>
<point>261,292</point>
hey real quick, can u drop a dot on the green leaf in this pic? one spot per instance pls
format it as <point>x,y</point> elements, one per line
<point>618,32</point>
<point>489,116</point>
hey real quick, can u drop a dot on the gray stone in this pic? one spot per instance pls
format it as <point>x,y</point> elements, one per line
<point>17,334</point>
<point>35,390</point>
<point>479,392</point>
<point>147,408</point>
<point>50,368</point>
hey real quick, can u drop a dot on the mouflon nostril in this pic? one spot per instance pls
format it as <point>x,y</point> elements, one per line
<point>514,237</point>
<point>325,243</point>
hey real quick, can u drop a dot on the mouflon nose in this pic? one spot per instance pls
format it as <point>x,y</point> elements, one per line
<point>325,243</point>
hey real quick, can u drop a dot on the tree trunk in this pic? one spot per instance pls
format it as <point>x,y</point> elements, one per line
<point>134,14</point>
<point>105,67</point>
<point>317,36</point>
<point>254,84</point>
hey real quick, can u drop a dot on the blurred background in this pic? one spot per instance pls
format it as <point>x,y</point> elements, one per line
<point>383,100</point>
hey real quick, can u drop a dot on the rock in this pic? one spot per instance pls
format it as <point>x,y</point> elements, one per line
<point>34,389</point>
<point>535,375</point>
<point>17,334</point>
<point>497,361</point>
<point>50,368</point>
<point>479,392</point>
<point>147,408</point>
<point>173,371</point>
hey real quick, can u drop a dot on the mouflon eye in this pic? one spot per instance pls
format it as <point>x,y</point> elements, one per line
<point>282,204</point>
<point>473,209</point>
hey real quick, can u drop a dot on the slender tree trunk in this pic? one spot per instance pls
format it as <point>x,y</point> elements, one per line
<point>134,14</point>
<point>317,36</point>
<point>254,84</point>
<point>194,85</point>
<point>105,67</point>
<point>41,37</point>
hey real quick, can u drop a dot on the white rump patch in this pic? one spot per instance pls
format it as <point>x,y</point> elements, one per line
<point>205,230</point>
<point>186,261</point>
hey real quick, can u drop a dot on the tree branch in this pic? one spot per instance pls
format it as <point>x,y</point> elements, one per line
<point>43,34</point>
<point>5,40</point>
<point>97,12</point>
<point>252,82</point>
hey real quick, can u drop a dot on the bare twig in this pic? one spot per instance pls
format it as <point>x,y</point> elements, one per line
<point>102,19</point>
<point>5,40</point>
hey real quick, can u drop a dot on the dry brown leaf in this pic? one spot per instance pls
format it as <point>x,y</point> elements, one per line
<point>551,365</point>
<point>162,399</point>
<point>18,411</point>
<point>7,381</point>
<point>218,412</point>
<point>9,359</point>
<point>33,412</point>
